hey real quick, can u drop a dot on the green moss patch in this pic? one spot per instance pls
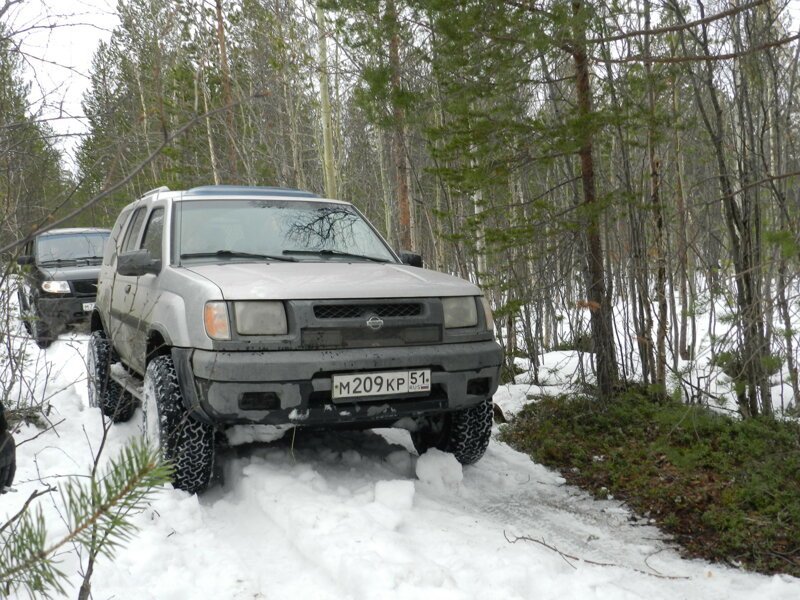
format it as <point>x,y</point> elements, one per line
<point>726,490</point>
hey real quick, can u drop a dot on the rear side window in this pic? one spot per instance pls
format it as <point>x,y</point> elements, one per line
<point>154,233</point>
<point>133,230</point>
<point>112,247</point>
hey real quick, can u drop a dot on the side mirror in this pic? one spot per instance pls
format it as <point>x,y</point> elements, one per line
<point>411,258</point>
<point>25,259</point>
<point>138,263</point>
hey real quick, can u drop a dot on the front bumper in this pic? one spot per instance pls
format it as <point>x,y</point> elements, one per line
<point>294,387</point>
<point>63,310</point>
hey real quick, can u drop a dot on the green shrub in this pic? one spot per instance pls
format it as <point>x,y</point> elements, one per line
<point>727,490</point>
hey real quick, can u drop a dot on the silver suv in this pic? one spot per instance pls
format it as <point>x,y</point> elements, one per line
<point>221,306</point>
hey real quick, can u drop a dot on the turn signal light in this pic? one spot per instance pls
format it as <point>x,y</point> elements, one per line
<point>215,318</point>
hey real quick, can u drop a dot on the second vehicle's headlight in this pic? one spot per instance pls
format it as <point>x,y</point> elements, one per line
<point>261,318</point>
<point>56,287</point>
<point>460,312</point>
<point>487,314</point>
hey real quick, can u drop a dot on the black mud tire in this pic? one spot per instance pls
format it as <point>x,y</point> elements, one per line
<point>463,433</point>
<point>38,328</point>
<point>105,393</point>
<point>24,311</point>
<point>184,441</point>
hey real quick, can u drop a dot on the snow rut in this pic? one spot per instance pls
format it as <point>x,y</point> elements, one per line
<point>351,509</point>
<point>357,515</point>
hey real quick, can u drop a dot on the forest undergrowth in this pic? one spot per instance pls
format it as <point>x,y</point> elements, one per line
<point>726,490</point>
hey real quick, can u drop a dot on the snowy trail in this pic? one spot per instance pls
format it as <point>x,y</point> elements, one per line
<point>358,515</point>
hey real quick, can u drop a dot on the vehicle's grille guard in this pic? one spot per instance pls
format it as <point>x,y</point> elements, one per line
<point>85,287</point>
<point>354,311</point>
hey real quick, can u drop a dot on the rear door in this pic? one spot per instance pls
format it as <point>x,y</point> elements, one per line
<point>108,270</point>
<point>123,324</point>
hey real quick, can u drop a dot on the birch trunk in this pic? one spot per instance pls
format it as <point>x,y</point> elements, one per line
<point>328,164</point>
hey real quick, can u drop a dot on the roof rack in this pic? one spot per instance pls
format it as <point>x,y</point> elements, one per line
<point>163,188</point>
<point>244,190</point>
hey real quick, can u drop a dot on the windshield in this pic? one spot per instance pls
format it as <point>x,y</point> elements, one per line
<point>71,247</point>
<point>248,230</point>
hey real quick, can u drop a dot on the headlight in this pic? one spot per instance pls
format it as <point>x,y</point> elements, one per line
<point>260,318</point>
<point>487,314</point>
<point>215,318</point>
<point>56,287</point>
<point>460,312</point>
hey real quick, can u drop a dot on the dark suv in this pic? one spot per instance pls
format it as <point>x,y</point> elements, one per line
<point>60,282</point>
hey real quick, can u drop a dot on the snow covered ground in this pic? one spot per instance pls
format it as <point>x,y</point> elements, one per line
<point>359,515</point>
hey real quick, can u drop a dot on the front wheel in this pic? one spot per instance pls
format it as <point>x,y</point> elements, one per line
<point>37,327</point>
<point>40,332</point>
<point>464,433</point>
<point>24,311</point>
<point>187,443</point>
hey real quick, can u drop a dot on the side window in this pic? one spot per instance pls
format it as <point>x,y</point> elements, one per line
<point>154,233</point>
<point>133,230</point>
<point>112,246</point>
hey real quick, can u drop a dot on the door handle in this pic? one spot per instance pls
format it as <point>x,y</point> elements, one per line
<point>127,288</point>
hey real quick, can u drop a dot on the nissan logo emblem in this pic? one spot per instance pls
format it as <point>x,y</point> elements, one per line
<point>374,323</point>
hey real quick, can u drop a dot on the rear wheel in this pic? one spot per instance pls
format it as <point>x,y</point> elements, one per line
<point>187,443</point>
<point>464,433</point>
<point>105,393</point>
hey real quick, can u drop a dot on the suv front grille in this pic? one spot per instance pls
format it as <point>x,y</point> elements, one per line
<point>85,287</point>
<point>354,311</point>
<point>363,337</point>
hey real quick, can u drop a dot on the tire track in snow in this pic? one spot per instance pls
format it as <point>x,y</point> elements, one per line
<point>527,499</point>
<point>342,515</point>
<point>257,539</point>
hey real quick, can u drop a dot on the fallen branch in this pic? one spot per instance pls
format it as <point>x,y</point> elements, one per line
<point>43,431</point>
<point>568,557</point>
<point>36,493</point>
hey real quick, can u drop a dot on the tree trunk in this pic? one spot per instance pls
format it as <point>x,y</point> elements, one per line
<point>227,94</point>
<point>385,188</point>
<point>686,352</point>
<point>406,238</point>
<point>598,302</point>
<point>743,224</point>
<point>655,197</point>
<point>209,136</point>
<point>328,164</point>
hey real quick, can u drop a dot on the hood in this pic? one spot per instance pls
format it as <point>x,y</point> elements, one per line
<point>330,280</point>
<point>70,273</point>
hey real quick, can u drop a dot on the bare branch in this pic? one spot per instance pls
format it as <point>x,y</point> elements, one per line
<point>703,58</point>
<point>7,6</point>
<point>31,498</point>
<point>681,27</point>
<point>565,556</point>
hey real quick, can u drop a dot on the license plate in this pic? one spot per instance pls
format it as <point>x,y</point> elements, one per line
<point>359,385</point>
<point>88,306</point>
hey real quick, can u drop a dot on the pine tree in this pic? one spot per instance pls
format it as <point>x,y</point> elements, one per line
<point>99,516</point>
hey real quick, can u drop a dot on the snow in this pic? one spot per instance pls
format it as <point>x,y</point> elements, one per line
<point>440,470</point>
<point>333,515</point>
<point>247,434</point>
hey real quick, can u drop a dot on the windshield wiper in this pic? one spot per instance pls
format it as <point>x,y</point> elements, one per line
<point>338,253</point>
<point>58,261</point>
<point>236,254</point>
